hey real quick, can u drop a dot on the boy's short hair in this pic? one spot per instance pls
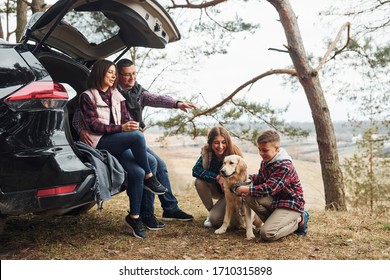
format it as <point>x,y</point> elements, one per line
<point>268,136</point>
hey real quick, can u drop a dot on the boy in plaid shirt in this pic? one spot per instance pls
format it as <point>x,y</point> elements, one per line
<point>275,193</point>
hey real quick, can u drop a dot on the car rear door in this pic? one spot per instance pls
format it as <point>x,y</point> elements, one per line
<point>95,29</point>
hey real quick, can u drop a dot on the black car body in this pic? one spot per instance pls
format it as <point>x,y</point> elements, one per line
<point>41,170</point>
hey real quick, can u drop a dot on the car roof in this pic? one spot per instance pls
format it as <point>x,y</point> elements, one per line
<point>88,30</point>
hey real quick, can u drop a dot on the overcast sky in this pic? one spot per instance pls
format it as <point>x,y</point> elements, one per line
<point>221,75</point>
<point>246,59</point>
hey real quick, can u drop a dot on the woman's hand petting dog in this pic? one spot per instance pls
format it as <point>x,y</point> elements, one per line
<point>220,181</point>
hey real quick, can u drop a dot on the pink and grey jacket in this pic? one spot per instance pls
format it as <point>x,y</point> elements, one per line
<point>104,112</point>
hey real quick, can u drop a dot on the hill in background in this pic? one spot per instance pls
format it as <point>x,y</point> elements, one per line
<point>181,153</point>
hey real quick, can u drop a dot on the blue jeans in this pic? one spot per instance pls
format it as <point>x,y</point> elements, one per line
<point>130,150</point>
<point>168,200</point>
<point>117,143</point>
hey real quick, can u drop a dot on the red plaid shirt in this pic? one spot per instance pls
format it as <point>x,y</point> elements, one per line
<point>280,180</point>
<point>88,109</point>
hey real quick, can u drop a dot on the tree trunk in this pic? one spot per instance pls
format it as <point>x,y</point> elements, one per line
<point>1,30</point>
<point>21,18</point>
<point>308,77</point>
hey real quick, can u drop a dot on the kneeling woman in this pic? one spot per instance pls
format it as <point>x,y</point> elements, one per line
<point>105,114</point>
<point>208,182</point>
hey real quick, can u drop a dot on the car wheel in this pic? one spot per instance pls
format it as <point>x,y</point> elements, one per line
<point>81,210</point>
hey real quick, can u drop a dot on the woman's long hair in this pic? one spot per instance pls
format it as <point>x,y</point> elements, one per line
<point>231,149</point>
<point>98,72</point>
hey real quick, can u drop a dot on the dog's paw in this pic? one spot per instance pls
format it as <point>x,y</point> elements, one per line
<point>221,230</point>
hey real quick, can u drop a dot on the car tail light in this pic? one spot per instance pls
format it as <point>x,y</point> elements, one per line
<point>38,96</point>
<point>56,191</point>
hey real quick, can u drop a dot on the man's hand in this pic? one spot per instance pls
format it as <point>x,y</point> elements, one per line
<point>184,106</point>
<point>85,136</point>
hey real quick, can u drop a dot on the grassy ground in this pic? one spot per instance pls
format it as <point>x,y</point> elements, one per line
<point>100,235</point>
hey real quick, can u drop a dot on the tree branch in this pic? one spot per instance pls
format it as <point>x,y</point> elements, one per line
<point>250,112</point>
<point>252,81</point>
<point>216,22</point>
<point>189,5</point>
<point>374,28</point>
<point>332,47</point>
<point>277,50</point>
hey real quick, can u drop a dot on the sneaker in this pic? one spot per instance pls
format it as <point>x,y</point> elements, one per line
<point>152,223</point>
<point>136,226</point>
<point>178,215</point>
<point>207,223</point>
<point>302,226</point>
<point>154,186</point>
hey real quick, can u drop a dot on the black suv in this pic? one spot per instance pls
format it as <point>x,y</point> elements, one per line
<point>41,170</point>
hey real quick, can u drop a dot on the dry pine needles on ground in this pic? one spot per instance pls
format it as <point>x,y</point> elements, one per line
<point>102,234</point>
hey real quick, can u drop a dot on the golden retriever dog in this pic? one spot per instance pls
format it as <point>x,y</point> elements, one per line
<point>234,170</point>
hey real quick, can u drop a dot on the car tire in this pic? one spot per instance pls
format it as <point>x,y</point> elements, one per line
<point>81,210</point>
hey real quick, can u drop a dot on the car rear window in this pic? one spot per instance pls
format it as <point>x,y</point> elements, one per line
<point>94,26</point>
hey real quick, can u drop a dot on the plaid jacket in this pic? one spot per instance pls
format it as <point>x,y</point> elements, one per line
<point>279,179</point>
<point>157,101</point>
<point>147,98</point>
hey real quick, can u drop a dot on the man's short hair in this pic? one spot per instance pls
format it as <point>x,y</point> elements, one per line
<point>124,62</point>
<point>269,136</point>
